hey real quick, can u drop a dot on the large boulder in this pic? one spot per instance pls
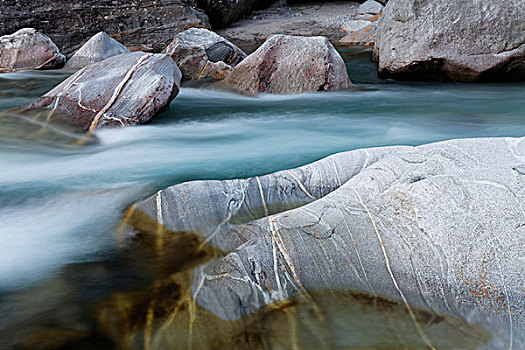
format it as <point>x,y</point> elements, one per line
<point>290,64</point>
<point>225,12</point>
<point>127,89</point>
<point>70,23</point>
<point>437,227</point>
<point>479,40</point>
<point>96,49</point>
<point>200,53</point>
<point>28,49</point>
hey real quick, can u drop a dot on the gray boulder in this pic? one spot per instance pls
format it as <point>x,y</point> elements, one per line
<point>290,64</point>
<point>436,227</point>
<point>201,53</point>
<point>122,90</point>
<point>479,40</point>
<point>96,49</point>
<point>28,49</point>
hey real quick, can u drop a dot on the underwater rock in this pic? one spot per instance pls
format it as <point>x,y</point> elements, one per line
<point>200,53</point>
<point>479,40</point>
<point>28,49</point>
<point>290,64</point>
<point>96,49</point>
<point>438,226</point>
<point>122,90</point>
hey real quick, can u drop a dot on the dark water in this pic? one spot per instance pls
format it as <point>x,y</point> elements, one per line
<point>62,195</point>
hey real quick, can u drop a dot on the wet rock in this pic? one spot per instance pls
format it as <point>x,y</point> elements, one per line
<point>166,317</point>
<point>455,40</point>
<point>201,53</point>
<point>96,49</point>
<point>225,12</point>
<point>122,90</point>
<point>71,23</point>
<point>28,49</point>
<point>51,338</point>
<point>430,227</point>
<point>290,64</point>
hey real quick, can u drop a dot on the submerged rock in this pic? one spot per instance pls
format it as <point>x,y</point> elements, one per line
<point>201,53</point>
<point>438,226</point>
<point>290,64</point>
<point>96,49</point>
<point>479,40</point>
<point>127,89</point>
<point>28,49</point>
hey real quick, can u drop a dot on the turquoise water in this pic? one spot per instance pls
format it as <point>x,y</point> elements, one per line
<point>60,202</point>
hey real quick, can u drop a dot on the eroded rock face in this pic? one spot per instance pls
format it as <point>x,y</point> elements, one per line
<point>96,49</point>
<point>225,12</point>
<point>133,23</point>
<point>438,226</point>
<point>290,64</point>
<point>201,53</point>
<point>123,90</point>
<point>28,49</point>
<point>479,40</point>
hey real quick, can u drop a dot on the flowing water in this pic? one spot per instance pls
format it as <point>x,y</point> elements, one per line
<point>62,194</point>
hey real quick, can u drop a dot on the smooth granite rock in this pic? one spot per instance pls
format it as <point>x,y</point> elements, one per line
<point>201,53</point>
<point>290,64</point>
<point>96,49</point>
<point>70,23</point>
<point>28,49</point>
<point>122,90</point>
<point>479,40</point>
<point>438,227</point>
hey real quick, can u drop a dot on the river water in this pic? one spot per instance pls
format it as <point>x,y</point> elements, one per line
<point>62,195</point>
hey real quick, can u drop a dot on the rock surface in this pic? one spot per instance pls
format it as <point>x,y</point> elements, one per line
<point>479,40</point>
<point>127,89</point>
<point>71,23</point>
<point>225,12</point>
<point>363,28</point>
<point>28,49</point>
<point>290,64</point>
<point>369,10</point>
<point>364,36</point>
<point>200,53</point>
<point>438,227</point>
<point>307,19</point>
<point>96,49</point>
